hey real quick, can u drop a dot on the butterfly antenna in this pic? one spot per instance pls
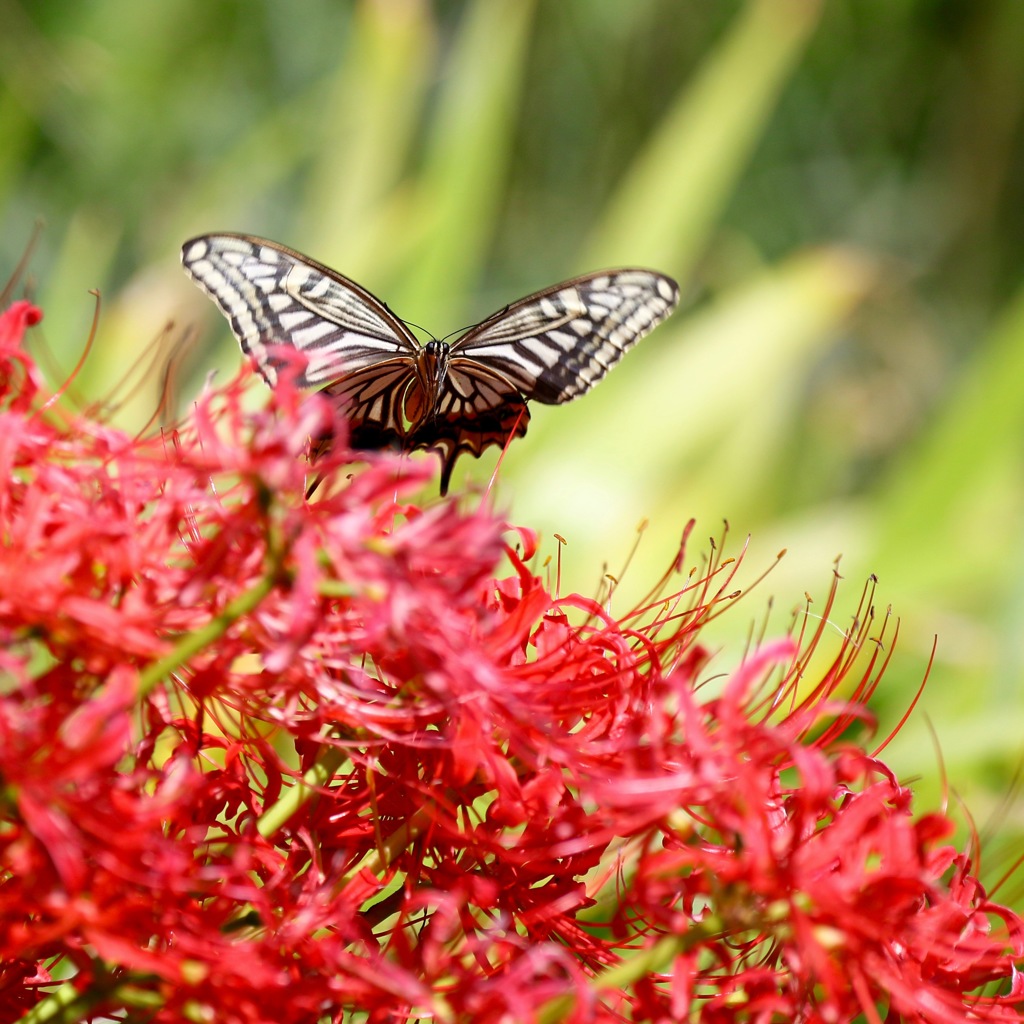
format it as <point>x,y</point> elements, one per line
<point>410,323</point>
<point>470,327</point>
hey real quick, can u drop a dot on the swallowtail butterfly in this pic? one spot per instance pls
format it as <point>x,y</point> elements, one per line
<point>398,392</point>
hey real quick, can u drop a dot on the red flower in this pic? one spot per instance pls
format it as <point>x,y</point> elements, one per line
<point>267,759</point>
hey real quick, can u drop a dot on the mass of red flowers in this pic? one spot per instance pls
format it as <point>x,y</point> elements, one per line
<point>270,759</point>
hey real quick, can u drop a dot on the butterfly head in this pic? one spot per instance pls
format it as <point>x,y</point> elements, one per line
<point>432,367</point>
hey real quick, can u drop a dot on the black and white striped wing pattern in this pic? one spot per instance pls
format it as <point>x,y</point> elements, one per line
<point>375,400</point>
<point>550,347</point>
<point>558,343</point>
<point>272,295</point>
<point>477,409</point>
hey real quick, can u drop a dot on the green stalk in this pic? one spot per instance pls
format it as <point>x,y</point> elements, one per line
<point>316,778</point>
<point>66,1005</point>
<point>646,961</point>
<point>192,643</point>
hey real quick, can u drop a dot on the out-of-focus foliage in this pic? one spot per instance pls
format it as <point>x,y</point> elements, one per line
<point>838,186</point>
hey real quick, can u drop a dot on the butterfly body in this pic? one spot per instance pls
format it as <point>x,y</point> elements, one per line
<point>432,371</point>
<point>460,397</point>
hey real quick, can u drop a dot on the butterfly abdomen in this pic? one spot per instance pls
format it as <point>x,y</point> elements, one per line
<point>432,371</point>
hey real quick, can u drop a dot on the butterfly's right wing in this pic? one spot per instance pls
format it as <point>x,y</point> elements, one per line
<point>272,295</point>
<point>478,408</point>
<point>558,343</point>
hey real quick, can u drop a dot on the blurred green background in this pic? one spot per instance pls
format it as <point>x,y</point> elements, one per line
<point>839,187</point>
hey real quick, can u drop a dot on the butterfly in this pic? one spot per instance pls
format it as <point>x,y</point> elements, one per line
<point>397,392</point>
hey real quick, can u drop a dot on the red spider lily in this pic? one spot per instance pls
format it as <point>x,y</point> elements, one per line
<point>269,759</point>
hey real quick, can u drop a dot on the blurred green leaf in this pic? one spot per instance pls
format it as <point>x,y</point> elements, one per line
<point>688,426</point>
<point>674,193</point>
<point>366,135</point>
<point>965,477</point>
<point>465,164</point>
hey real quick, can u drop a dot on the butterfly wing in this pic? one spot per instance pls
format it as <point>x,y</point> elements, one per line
<point>476,409</point>
<point>558,343</point>
<point>272,295</point>
<point>550,346</point>
<point>381,402</point>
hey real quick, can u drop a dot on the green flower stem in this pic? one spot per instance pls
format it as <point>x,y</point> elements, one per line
<point>335,588</point>
<point>389,848</point>
<point>316,778</point>
<point>66,1005</point>
<point>192,643</point>
<point>646,961</point>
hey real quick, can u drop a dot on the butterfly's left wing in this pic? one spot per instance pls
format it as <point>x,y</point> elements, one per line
<point>273,295</point>
<point>558,343</point>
